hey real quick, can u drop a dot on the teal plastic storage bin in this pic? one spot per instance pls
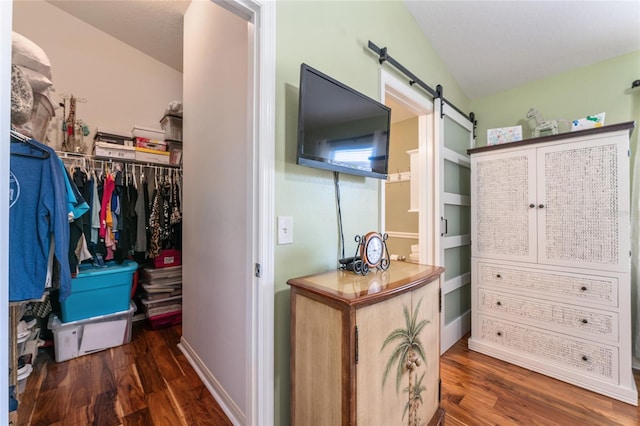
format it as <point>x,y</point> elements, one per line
<point>99,291</point>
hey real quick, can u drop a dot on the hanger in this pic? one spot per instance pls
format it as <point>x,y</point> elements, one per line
<point>17,137</point>
<point>133,176</point>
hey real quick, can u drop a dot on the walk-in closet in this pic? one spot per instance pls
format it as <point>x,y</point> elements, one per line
<point>182,221</point>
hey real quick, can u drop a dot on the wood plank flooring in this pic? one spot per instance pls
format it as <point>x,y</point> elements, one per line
<point>481,390</point>
<point>147,382</point>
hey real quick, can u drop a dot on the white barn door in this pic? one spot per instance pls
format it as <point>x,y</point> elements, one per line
<point>454,135</point>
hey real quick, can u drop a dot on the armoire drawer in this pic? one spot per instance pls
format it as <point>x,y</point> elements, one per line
<point>572,319</point>
<point>568,352</point>
<point>551,285</point>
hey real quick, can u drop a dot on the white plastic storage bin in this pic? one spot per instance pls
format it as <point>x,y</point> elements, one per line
<point>172,126</point>
<point>82,337</point>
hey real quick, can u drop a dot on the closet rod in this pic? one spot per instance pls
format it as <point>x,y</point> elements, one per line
<point>435,94</point>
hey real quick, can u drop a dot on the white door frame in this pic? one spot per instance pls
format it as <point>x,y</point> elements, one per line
<point>260,306</point>
<point>6,19</point>
<point>401,92</point>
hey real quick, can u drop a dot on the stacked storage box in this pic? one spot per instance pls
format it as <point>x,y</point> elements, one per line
<point>113,145</point>
<point>82,337</point>
<point>98,313</point>
<point>150,146</point>
<point>172,126</point>
<point>162,298</point>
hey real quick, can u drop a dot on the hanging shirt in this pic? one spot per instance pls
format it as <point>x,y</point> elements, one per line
<point>141,229</point>
<point>109,185</point>
<point>37,211</point>
<point>95,210</point>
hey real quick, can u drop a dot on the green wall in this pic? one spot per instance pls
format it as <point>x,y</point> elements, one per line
<point>332,37</point>
<point>603,87</point>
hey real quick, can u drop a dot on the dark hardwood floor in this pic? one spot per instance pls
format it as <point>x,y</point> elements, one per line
<point>481,390</point>
<point>147,382</point>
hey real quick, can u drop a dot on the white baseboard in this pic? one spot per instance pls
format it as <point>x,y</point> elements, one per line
<point>235,414</point>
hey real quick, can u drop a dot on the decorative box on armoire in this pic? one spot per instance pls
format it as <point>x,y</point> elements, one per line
<point>365,349</point>
<point>551,257</point>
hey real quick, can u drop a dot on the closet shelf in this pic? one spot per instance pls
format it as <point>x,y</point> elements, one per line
<point>105,160</point>
<point>399,177</point>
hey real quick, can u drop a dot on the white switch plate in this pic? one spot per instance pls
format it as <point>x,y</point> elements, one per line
<point>285,230</point>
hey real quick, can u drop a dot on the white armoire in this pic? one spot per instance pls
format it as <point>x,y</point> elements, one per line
<point>551,257</point>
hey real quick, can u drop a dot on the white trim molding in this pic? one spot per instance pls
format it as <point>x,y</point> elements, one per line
<point>262,355</point>
<point>6,8</point>
<point>405,235</point>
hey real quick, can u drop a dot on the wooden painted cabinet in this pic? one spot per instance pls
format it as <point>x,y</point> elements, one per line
<point>365,349</point>
<point>550,257</point>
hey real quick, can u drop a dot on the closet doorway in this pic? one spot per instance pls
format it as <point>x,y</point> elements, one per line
<point>422,192</point>
<point>407,202</point>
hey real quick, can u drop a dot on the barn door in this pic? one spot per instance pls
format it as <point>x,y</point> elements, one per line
<point>454,135</point>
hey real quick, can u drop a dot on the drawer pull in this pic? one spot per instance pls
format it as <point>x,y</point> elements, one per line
<point>499,333</point>
<point>541,206</point>
<point>499,303</point>
<point>584,321</point>
<point>532,206</point>
<point>585,358</point>
<point>498,276</point>
<point>583,288</point>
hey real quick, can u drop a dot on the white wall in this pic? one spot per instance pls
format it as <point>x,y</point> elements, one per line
<point>123,87</point>
<point>217,269</point>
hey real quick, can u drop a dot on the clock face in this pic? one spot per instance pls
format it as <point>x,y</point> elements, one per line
<point>373,249</point>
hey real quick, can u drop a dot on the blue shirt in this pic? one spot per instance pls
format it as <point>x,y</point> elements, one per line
<point>37,213</point>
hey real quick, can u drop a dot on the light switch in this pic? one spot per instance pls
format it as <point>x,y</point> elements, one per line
<point>285,230</point>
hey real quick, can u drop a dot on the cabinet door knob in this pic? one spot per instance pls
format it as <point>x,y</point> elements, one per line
<point>541,206</point>
<point>499,333</point>
<point>532,206</point>
<point>584,321</point>
<point>498,276</point>
<point>585,358</point>
<point>583,288</point>
<point>499,303</point>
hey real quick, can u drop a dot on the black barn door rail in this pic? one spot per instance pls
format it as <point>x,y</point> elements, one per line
<point>435,94</point>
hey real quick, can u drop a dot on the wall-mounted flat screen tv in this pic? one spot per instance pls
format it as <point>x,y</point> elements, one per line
<point>340,129</point>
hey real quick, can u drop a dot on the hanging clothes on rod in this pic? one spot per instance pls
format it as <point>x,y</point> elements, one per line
<point>123,221</point>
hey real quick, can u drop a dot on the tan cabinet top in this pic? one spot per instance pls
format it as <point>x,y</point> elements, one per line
<point>350,288</point>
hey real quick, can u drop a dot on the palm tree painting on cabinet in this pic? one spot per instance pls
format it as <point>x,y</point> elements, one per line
<point>408,355</point>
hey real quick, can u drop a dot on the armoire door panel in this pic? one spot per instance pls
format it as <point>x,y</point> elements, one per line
<point>503,204</point>
<point>583,221</point>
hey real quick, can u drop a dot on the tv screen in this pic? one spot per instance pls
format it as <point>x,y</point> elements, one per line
<point>340,129</point>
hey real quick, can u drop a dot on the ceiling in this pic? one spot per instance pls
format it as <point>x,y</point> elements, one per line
<point>488,46</point>
<point>151,26</point>
<point>491,46</point>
